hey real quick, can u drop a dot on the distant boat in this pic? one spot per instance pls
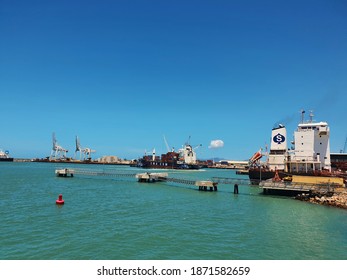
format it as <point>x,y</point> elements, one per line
<point>4,156</point>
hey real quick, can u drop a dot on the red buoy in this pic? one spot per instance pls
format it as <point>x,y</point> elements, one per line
<point>60,200</point>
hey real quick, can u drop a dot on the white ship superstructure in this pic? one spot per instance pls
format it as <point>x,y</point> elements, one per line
<point>312,148</point>
<point>310,154</point>
<point>188,154</point>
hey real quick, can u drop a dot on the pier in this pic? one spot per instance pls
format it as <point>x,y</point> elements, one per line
<point>151,177</point>
<point>268,187</point>
<point>289,187</point>
<point>146,177</point>
<point>65,172</point>
<point>95,172</point>
<point>230,181</point>
<point>206,185</point>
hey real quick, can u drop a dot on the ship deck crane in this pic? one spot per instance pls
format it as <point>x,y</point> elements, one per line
<point>167,145</point>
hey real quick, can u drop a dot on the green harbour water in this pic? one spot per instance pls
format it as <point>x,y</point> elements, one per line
<point>121,219</point>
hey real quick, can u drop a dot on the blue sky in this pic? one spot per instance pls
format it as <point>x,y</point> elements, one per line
<point>122,74</point>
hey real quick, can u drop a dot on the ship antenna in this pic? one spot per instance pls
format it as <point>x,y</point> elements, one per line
<point>311,116</point>
<point>344,147</point>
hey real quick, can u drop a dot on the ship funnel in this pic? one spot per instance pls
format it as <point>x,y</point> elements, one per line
<point>279,139</point>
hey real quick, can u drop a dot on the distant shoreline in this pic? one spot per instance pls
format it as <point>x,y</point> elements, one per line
<point>69,161</point>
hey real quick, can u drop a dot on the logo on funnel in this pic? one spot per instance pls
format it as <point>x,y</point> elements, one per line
<point>279,138</point>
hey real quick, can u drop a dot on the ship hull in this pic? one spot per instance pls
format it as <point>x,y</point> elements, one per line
<point>6,159</point>
<point>149,164</point>
<point>153,165</point>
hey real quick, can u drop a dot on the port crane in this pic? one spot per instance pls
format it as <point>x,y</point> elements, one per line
<point>58,152</point>
<point>86,152</point>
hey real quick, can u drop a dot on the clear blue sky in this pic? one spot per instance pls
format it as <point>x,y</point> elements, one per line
<point>121,74</point>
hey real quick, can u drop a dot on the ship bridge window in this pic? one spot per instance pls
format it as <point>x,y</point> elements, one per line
<point>277,152</point>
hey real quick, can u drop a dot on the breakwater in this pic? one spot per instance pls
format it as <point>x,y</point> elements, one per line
<point>336,199</point>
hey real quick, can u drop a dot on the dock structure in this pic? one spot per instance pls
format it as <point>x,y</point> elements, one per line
<point>230,181</point>
<point>206,185</point>
<point>103,173</point>
<point>270,186</point>
<point>65,172</point>
<point>305,190</point>
<point>151,177</point>
<point>160,177</point>
<point>202,185</point>
<point>146,177</point>
<point>302,184</point>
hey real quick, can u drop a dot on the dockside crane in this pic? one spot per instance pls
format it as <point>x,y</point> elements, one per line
<point>86,152</point>
<point>58,152</point>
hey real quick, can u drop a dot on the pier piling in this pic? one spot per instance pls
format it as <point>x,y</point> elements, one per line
<point>236,189</point>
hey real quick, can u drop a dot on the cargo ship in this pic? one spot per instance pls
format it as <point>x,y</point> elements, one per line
<point>5,156</point>
<point>184,158</point>
<point>309,155</point>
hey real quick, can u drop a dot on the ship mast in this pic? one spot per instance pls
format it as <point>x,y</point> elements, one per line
<point>302,116</point>
<point>344,147</point>
<point>311,116</point>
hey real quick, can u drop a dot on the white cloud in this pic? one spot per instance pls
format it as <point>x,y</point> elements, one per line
<point>216,144</point>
